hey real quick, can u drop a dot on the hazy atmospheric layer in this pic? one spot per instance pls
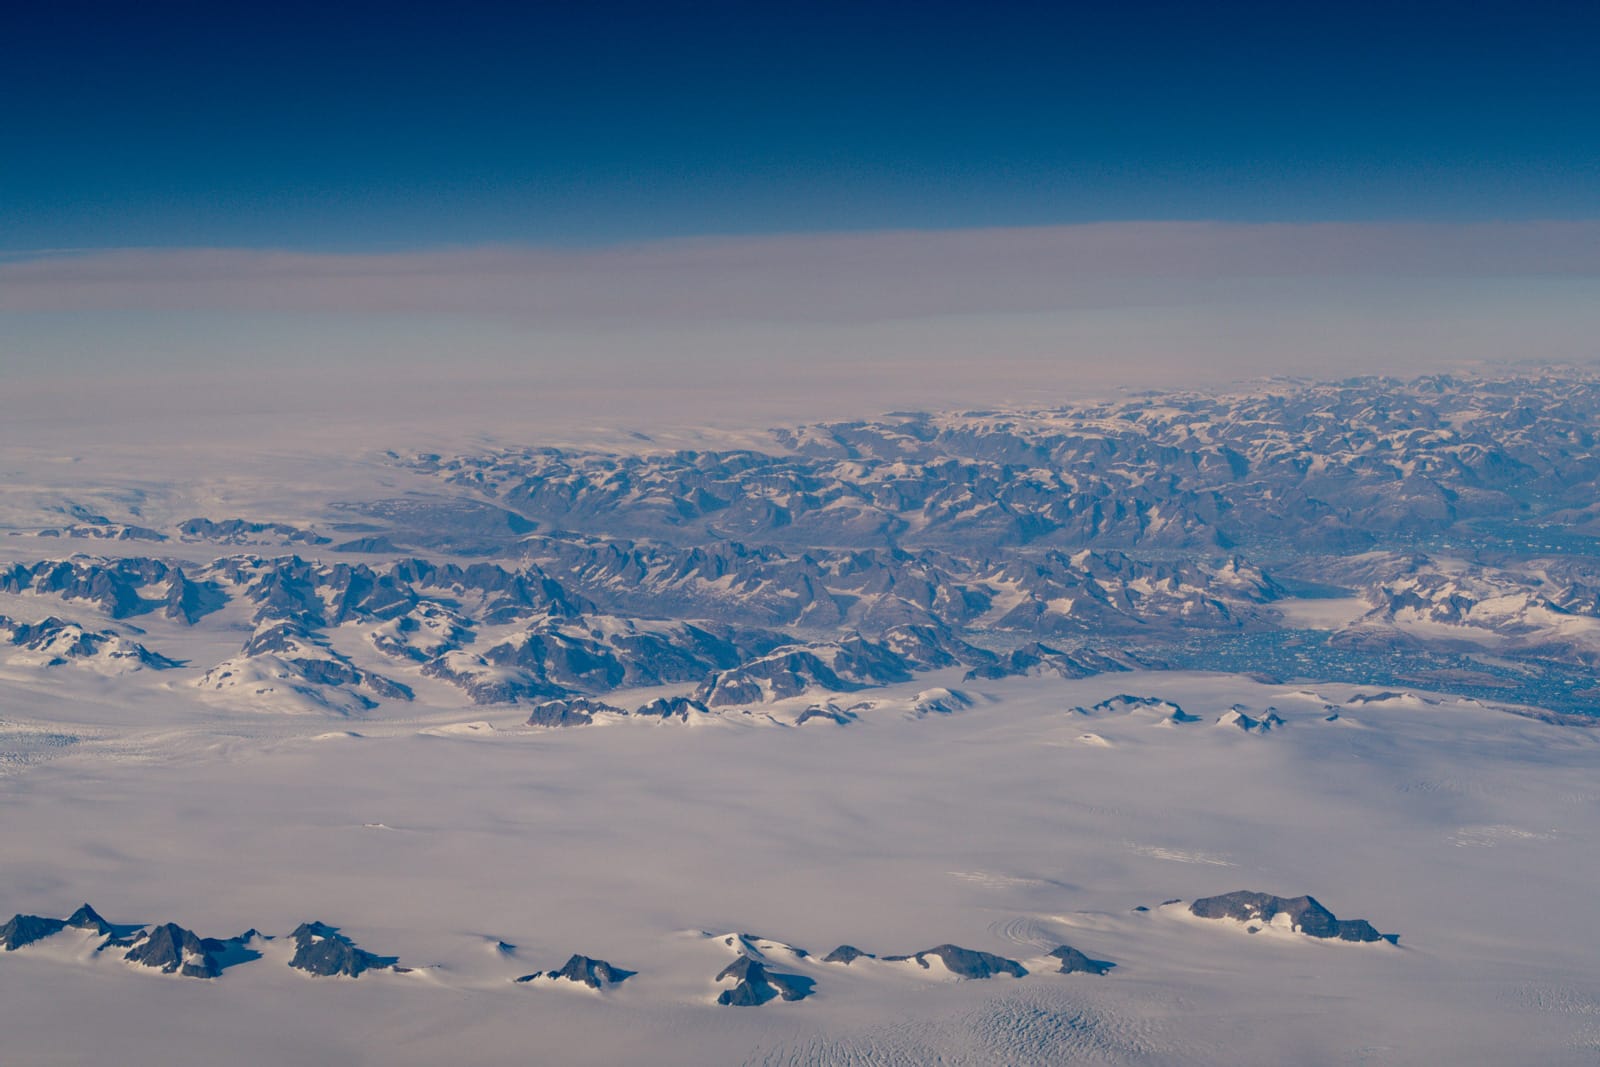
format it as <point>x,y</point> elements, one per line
<point>279,347</point>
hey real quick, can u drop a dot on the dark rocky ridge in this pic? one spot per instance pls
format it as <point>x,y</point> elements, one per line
<point>965,962</point>
<point>22,930</point>
<point>571,711</point>
<point>171,949</point>
<point>241,531</point>
<point>188,602</point>
<point>681,708</point>
<point>596,974</point>
<point>756,984</point>
<point>86,918</point>
<point>68,641</point>
<point>847,954</point>
<point>1236,717</point>
<point>322,950</point>
<point>166,947</point>
<point>1307,914</point>
<point>1123,703</point>
<point>1040,659</point>
<point>1075,962</point>
<point>100,528</point>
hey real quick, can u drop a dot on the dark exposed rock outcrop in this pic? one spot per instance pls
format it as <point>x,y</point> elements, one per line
<point>782,674</point>
<point>596,974</point>
<point>1041,659</point>
<point>965,962</point>
<point>171,949</point>
<point>847,954</point>
<point>756,984</point>
<point>682,708</point>
<point>23,930</point>
<point>489,685</point>
<point>1306,914</point>
<point>241,531</point>
<point>86,918</point>
<point>64,642</point>
<point>1075,962</point>
<point>570,711</point>
<point>1124,703</point>
<point>322,950</point>
<point>1237,718</point>
<point>187,601</point>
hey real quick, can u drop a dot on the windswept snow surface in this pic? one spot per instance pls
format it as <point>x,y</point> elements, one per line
<point>995,829</point>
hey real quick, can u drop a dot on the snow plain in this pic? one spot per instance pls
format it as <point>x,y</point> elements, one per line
<point>1467,830</point>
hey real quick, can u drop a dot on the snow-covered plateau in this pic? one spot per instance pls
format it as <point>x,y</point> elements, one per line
<point>1180,729</point>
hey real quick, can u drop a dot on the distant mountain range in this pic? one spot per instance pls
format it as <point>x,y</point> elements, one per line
<point>1451,516</point>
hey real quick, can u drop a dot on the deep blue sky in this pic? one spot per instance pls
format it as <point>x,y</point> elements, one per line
<point>355,126</point>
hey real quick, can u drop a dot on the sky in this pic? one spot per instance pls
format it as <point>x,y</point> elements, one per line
<point>664,191</point>
<point>359,126</point>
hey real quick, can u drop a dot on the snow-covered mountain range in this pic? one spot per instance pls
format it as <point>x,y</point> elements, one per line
<point>852,555</point>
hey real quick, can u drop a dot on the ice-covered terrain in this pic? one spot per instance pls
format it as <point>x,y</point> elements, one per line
<point>904,741</point>
<point>478,856</point>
